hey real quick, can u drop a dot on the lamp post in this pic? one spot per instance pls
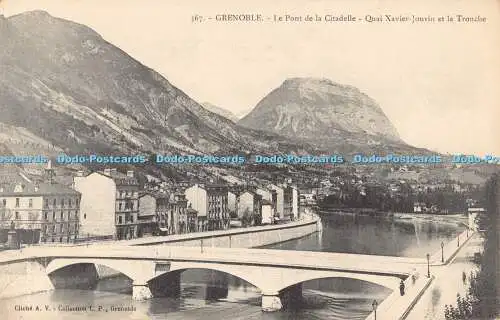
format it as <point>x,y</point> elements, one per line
<point>467,231</point>
<point>428,266</point>
<point>458,240</point>
<point>374,306</point>
<point>442,251</point>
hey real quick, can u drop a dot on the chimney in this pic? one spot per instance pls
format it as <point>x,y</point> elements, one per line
<point>107,171</point>
<point>130,173</point>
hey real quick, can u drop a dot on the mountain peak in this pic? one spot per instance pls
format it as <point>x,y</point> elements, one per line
<point>34,15</point>
<point>319,108</point>
<point>308,80</point>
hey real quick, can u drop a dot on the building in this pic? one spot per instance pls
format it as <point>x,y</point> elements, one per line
<point>280,201</point>
<point>295,203</point>
<point>419,207</point>
<point>472,214</point>
<point>404,175</point>
<point>287,203</point>
<point>267,212</point>
<point>177,216</point>
<point>109,205</point>
<point>188,221</point>
<point>250,207</point>
<point>269,195</point>
<point>307,199</point>
<point>153,213</point>
<point>42,212</point>
<point>232,202</point>
<point>211,203</point>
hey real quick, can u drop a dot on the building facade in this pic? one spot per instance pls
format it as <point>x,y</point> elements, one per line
<point>211,203</point>
<point>109,205</point>
<point>177,209</point>
<point>278,198</point>
<point>41,212</point>
<point>250,204</point>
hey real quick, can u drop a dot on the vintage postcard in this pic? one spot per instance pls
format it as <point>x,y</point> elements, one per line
<point>168,159</point>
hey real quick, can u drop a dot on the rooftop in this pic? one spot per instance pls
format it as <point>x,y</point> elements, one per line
<point>26,188</point>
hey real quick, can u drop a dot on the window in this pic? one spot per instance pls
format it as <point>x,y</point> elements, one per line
<point>54,203</point>
<point>70,202</point>
<point>120,207</point>
<point>62,203</point>
<point>62,215</point>
<point>30,203</point>
<point>17,202</point>
<point>4,202</point>
<point>53,215</point>
<point>45,203</point>
<point>120,219</point>
<point>17,215</point>
<point>77,202</point>
<point>60,239</point>
<point>84,216</point>
<point>46,215</point>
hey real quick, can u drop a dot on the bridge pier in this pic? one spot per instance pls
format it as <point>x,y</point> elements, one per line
<point>271,302</point>
<point>292,296</point>
<point>140,291</point>
<point>167,285</point>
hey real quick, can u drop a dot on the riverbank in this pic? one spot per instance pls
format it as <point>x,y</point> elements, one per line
<point>454,219</point>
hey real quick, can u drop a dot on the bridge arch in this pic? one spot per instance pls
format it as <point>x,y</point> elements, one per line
<point>270,280</point>
<point>241,273</point>
<point>137,271</point>
<point>388,282</point>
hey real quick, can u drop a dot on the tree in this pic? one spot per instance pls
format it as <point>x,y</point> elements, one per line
<point>481,301</point>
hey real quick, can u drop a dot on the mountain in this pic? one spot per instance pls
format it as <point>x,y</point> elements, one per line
<point>220,111</point>
<point>331,115</point>
<point>63,88</point>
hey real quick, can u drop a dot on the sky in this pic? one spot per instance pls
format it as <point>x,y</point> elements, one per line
<point>438,83</point>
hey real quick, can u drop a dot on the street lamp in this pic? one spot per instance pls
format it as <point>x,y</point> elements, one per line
<point>374,306</point>
<point>458,240</point>
<point>442,251</point>
<point>428,266</point>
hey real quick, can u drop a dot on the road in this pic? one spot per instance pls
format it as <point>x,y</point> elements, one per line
<point>447,284</point>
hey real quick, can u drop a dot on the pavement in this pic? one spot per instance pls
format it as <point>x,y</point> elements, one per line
<point>442,278</point>
<point>447,284</point>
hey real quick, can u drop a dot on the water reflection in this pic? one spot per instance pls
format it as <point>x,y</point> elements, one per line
<point>371,235</point>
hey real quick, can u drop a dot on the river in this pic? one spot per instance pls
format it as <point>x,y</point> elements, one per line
<point>203,296</point>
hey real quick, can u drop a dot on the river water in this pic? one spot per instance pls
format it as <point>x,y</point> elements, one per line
<point>211,295</point>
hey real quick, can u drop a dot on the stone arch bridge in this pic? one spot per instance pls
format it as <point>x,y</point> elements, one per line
<point>276,273</point>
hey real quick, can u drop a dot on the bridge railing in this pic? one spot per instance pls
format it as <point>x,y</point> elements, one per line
<point>396,306</point>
